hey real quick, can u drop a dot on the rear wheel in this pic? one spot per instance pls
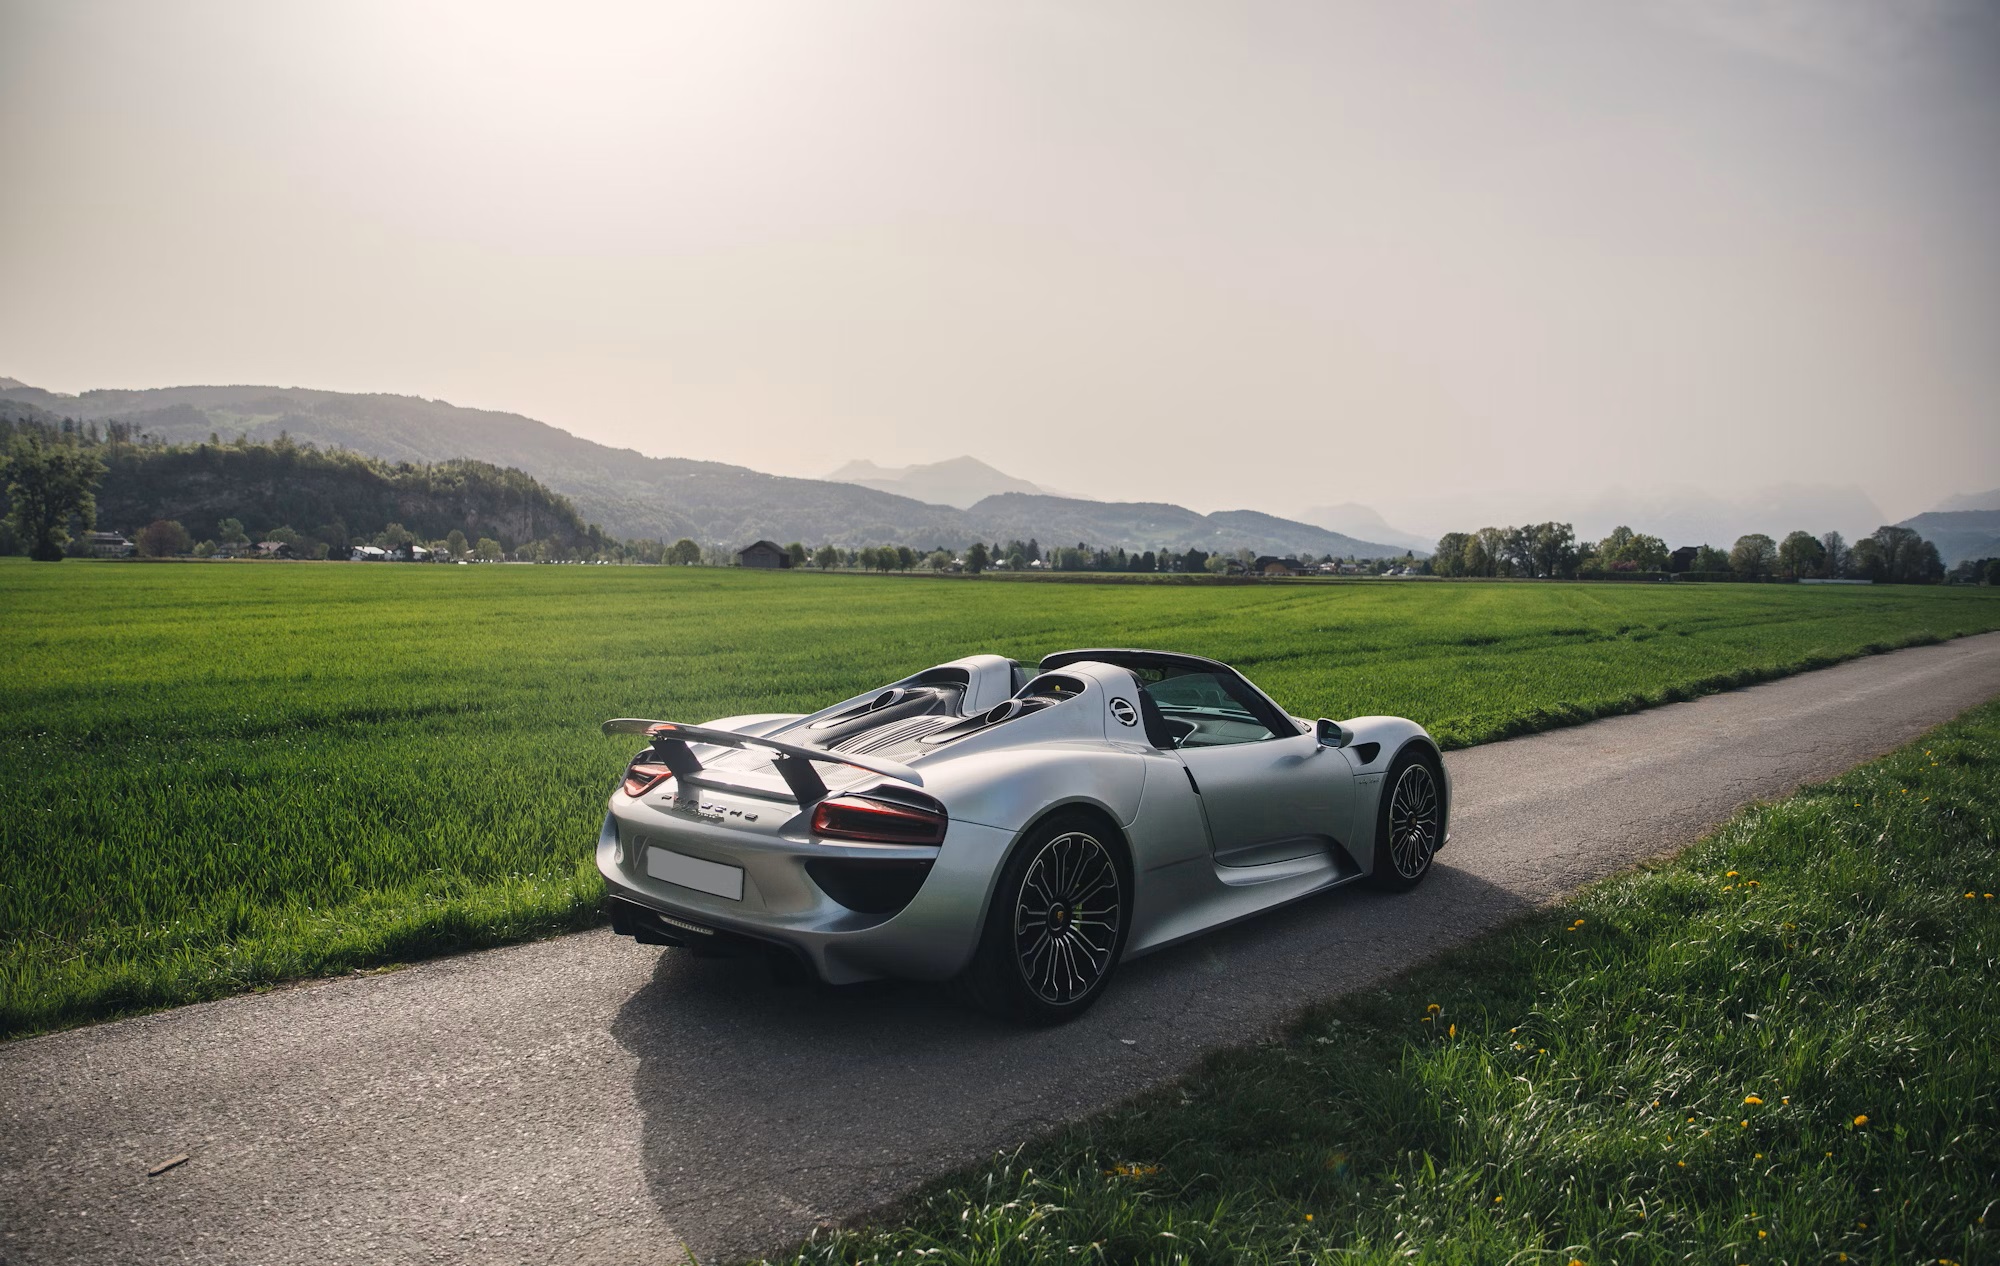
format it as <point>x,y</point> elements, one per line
<point>1410,822</point>
<point>1057,925</point>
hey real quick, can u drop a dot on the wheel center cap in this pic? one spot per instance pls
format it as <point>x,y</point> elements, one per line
<point>1058,917</point>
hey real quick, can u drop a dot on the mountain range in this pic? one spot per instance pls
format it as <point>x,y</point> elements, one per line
<point>633,495</point>
<point>959,481</point>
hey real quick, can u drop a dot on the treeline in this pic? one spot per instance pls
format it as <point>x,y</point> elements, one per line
<point>1025,555</point>
<point>1893,555</point>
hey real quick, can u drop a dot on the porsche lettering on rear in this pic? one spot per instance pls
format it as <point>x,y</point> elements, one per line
<point>1024,831</point>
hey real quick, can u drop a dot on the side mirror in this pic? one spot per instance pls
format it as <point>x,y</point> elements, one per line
<point>1332,733</point>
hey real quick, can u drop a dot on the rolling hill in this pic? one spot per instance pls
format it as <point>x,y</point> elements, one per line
<point>632,495</point>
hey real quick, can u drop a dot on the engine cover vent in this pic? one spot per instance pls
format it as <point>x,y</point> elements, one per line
<point>907,730</point>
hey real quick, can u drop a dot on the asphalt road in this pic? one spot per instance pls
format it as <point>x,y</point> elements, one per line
<point>588,1100</point>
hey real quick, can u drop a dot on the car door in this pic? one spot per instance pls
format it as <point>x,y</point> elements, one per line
<point>1268,793</point>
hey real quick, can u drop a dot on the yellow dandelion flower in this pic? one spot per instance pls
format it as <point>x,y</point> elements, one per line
<point>1543,1051</point>
<point>1760,1156</point>
<point>1762,1234</point>
<point>1309,1217</point>
<point>1731,875</point>
<point>1576,1261</point>
<point>1752,1099</point>
<point>1729,887</point>
<point>1971,896</point>
<point>1786,1099</point>
<point>1744,1123</point>
<point>1682,1164</point>
<point>1862,1119</point>
<point>1452,1031</point>
<point>1498,1199</point>
<point>1434,1008</point>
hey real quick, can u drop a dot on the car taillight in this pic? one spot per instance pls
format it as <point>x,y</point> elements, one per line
<point>641,779</point>
<point>877,821</point>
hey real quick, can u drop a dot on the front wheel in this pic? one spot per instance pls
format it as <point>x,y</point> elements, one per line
<point>1410,823</point>
<point>1057,925</point>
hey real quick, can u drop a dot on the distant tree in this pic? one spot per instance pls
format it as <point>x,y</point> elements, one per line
<point>1194,560</point>
<point>684,553</point>
<point>1494,544</point>
<point>488,550</point>
<point>163,538</point>
<point>394,536</point>
<point>1898,556</point>
<point>1865,562</point>
<point>230,534</point>
<point>906,558</point>
<point>1833,563</point>
<point>1218,563</point>
<point>1708,558</point>
<point>1612,548</point>
<point>977,559</point>
<point>1801,554</point>
<point>1753,556</point>
<point>827,558</point>
<point>1552,550</point>
<point>1448,559</point>
<point>47,485</point>
<point>938,560</point>
<point>798,553</point>
<point>1149,561</point>
<point>205,549</point>
<point>1641,551</point>
<point>287,535</point>
<point>454,544</point>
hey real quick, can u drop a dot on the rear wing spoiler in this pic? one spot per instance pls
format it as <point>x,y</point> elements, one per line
<point>670,739</point>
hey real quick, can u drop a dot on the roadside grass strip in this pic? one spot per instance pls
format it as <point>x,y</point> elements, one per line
<point>1782,1046</point>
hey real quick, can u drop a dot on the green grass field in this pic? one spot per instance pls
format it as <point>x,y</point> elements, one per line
<point>1779,1048</point>
<point>222,776</point>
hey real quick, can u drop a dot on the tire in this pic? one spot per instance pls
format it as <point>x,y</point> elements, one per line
<point>1057,924</point>
<point>1410,822</point>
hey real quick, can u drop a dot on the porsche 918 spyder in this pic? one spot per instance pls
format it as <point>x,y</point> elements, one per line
<point>1020,833</point>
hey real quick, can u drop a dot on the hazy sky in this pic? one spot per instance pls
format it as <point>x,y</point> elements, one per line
<point>1412,254</point>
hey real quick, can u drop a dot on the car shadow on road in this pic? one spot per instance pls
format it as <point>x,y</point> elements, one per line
<point>771,1109</point>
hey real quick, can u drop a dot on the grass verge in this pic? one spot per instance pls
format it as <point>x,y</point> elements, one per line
<point>1779,1047</point>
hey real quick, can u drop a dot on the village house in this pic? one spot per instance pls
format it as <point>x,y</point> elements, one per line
<point>763,554</point>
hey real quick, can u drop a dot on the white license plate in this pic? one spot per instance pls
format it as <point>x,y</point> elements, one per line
<point>692,872</point>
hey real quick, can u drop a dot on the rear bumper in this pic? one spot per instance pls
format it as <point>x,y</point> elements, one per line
<point>783,909</point>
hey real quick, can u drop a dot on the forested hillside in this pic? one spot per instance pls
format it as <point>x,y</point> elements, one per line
<point>332,497</point>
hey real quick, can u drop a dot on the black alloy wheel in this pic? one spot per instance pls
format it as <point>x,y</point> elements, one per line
<point>1410,826</point>
<point>1067,918</point>
<point>1057,924</point>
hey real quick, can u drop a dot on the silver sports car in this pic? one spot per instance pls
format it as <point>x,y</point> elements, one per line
<point>1023,834</point>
